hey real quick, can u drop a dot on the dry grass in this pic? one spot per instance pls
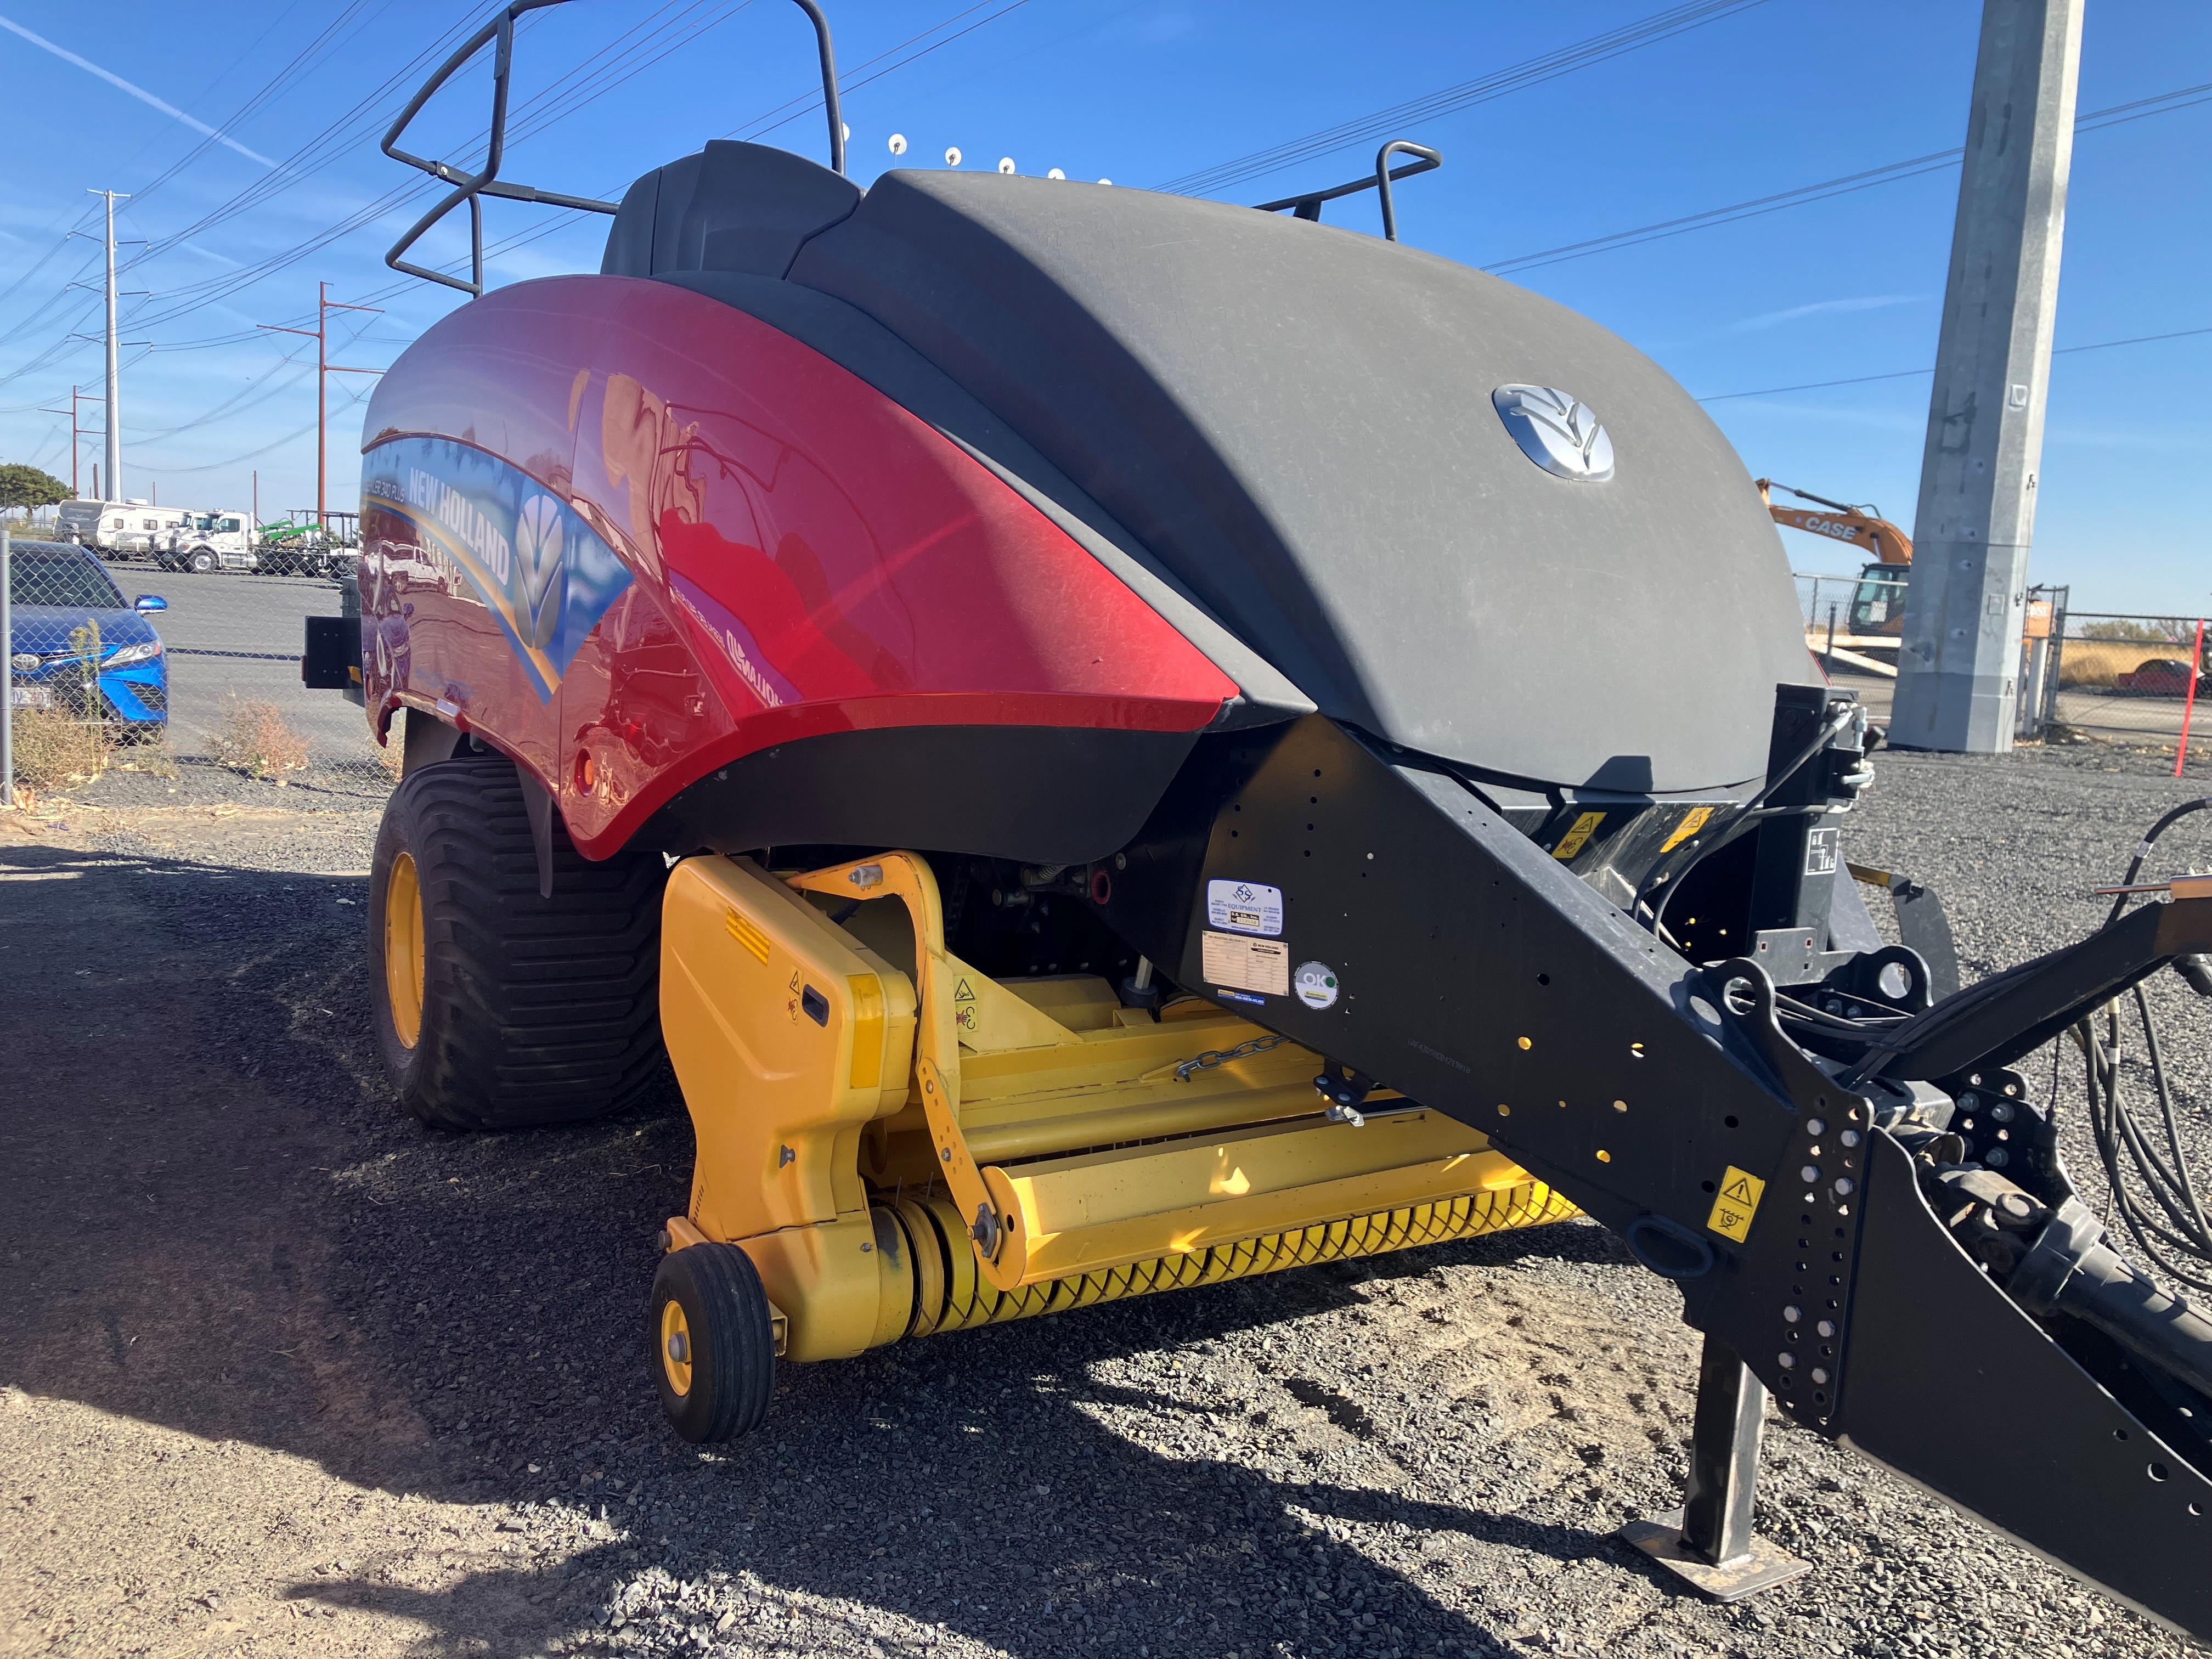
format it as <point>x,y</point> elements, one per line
<point>151,755</point>
<point>54,749</point>
<point>253,738</point>
<point>2101,662</point>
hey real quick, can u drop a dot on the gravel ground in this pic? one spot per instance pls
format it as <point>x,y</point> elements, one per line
<point>287,1374</point>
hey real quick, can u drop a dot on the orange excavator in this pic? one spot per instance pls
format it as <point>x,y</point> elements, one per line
<point>1877,616</point>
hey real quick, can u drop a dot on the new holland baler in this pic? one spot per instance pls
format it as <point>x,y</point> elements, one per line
<point>1115,742</point>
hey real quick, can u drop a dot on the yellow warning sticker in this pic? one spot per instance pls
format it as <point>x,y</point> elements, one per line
<point>1736,1205</point>
<point>1572,841</point>
<point>747,933</point>
<point>1693,821</point>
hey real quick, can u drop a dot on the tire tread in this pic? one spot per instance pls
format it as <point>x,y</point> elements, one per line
<point>536,1010</point>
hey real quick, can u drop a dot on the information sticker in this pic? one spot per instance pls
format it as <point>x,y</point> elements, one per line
<point>1245,906</point>
<point>1246,964</point>
<point>1823,852</point>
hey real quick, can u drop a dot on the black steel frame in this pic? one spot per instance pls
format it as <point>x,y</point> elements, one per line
<point>473,187</point>
<point>1308,206</point>
<point>1485,978</point>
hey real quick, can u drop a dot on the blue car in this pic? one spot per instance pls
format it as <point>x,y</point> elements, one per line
<point>66,607</point>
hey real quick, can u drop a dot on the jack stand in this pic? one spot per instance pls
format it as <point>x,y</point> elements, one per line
<point>1709,1541</point>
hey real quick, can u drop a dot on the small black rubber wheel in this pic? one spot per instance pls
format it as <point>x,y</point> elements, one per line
<point>714,1349</point>
<point>496,1008</point>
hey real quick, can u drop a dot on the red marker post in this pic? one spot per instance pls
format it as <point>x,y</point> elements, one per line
<point>2195,668</point>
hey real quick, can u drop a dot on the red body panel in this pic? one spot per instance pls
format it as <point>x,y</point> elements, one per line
<point>807,557</point>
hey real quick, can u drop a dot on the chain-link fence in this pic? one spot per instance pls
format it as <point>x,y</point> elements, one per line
<point>200,676</point>
<point>1854,626</point>
<point>203,673</point>
<point>2137,677</point>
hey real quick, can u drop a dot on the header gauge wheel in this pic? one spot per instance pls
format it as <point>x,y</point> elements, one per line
<point>713,1344</point>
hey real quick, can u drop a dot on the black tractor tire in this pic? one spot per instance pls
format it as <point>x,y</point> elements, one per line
<point>719,1385</point>
<point>524,1010</point>
<point>202,562</point>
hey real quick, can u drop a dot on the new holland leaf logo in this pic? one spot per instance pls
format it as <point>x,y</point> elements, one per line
<point>1572,420</point>
<point>539,562</point>
<point>1557,430</point>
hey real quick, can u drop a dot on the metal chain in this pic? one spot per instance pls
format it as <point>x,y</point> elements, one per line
<point>1214,1057</point>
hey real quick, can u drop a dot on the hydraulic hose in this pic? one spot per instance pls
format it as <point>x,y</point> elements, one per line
<point>1694,851</point>
<point>2166,1218</point>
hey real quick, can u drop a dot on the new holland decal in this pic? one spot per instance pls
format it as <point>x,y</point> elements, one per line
<point>528,556</point>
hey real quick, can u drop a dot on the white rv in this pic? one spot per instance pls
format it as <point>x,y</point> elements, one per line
<point>120,528</point>
<point>207,541</point>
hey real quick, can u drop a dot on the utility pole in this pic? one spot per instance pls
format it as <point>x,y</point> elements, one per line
<point>1958,665</point>
<point>77,435</point>
<point>324,370</point>
<point>114,377</point>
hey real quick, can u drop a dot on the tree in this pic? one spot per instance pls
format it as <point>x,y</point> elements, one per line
<point>27,487</point>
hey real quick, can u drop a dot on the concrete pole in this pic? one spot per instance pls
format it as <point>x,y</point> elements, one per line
<point>1958,669</point>
<point>114,376</point>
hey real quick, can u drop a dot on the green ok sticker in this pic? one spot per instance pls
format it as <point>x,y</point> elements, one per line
<point>1316,985</point>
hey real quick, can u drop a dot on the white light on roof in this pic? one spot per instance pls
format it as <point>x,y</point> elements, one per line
<point>1054,172</point>
<point>898,143</point>
<point>1105,182</point>
<point>952,155</point>
<point>1006,164</point>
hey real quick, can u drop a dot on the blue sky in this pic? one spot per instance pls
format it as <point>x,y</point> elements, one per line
<point>248,134</point>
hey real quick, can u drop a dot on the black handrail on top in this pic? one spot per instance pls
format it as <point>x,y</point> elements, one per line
<point>1308,206</point>
<point>473,187</point>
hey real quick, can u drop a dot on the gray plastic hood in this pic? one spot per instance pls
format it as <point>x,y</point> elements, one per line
<point>1301,424</point>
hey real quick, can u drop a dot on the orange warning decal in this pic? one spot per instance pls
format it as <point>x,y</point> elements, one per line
<point>1692,821</point>
<point>1572,841</point>
<point>747,933</point>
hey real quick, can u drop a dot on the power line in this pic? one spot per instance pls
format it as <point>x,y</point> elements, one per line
<point>597,74</point>
<point>847,82</point>
<point>344,403</point>
<point>852,80</point>
<point>1364,129</point>
<point>1912,167</point>
<point>1909,373</point>
<point>271,88</point>
<point>592,79</point>
<point>635,49</point>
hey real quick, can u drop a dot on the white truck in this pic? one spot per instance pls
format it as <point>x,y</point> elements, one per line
<point>124,529</point>
<point>207,541</point>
